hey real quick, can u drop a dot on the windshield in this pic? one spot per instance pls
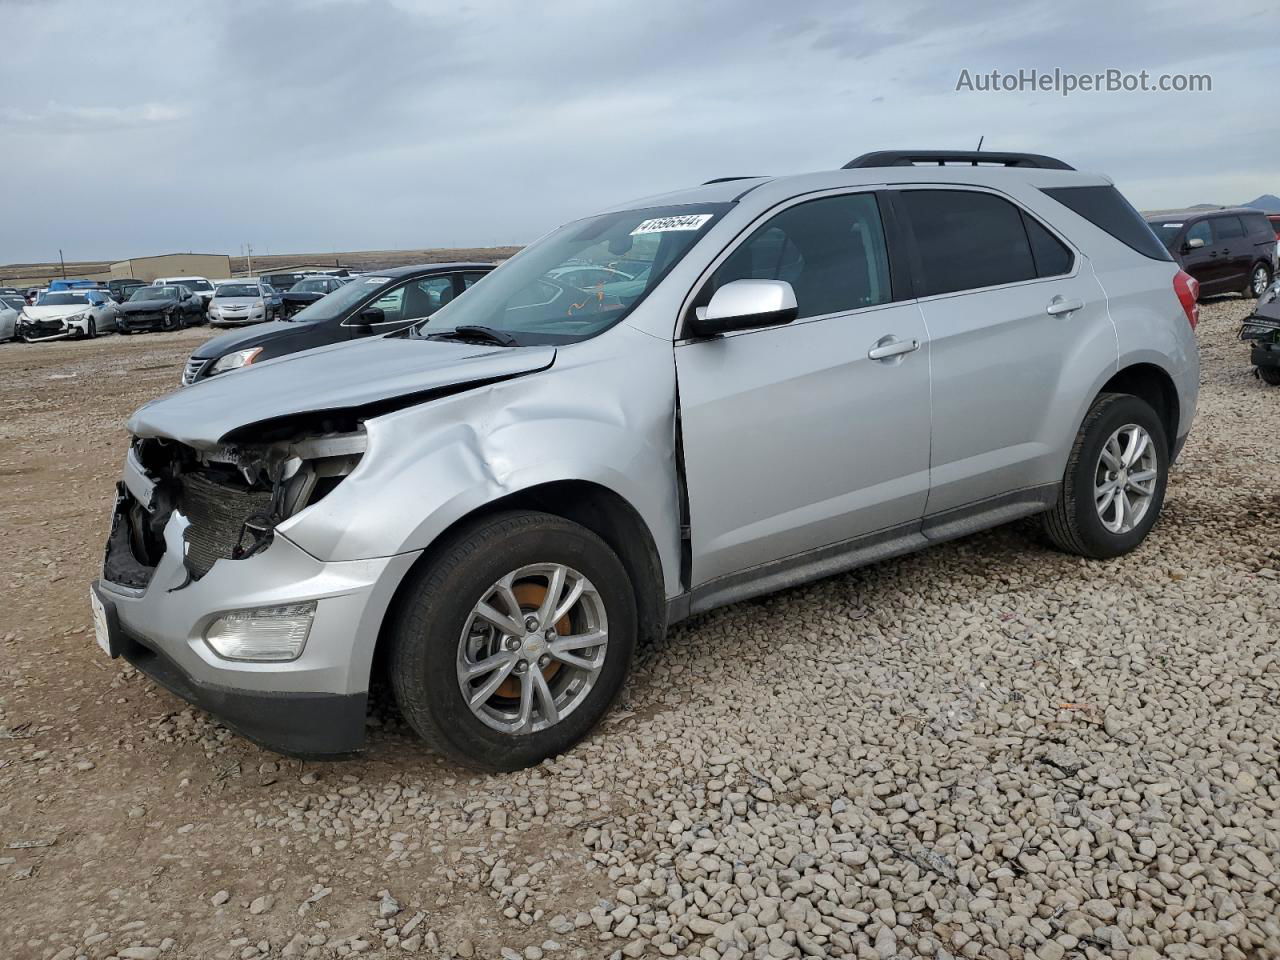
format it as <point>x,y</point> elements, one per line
<point>63,299</point>
<point>1167,230</point>
<point>283,281</point>
<point>582,279</point>
<point>191,283</point>
<point>237,290</point>
<point>15,303</point>
<point>340,301</point>
<point>155,293</point>
<point>310,286</point>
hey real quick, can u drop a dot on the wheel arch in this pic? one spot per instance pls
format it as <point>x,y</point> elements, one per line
<point>592,505</point>
<point>1153,384</point>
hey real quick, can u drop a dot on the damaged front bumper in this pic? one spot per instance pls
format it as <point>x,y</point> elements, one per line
<point>163,589</point>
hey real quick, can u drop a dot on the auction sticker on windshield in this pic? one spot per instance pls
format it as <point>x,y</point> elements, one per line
<point>689,221</point>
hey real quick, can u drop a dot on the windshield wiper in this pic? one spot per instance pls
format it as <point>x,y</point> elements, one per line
<point>475,332</point>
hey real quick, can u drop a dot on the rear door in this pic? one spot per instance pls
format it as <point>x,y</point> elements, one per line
<point>1202,261</point>
<point>793,438</point>
<point>1235,251</point>
<point>1009,306</point>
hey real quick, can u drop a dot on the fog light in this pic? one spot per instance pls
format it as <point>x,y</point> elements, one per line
<point>263,633</point>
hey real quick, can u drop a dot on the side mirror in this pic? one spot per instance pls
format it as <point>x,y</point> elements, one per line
<point>1195,243</point>
<point>745,305</point>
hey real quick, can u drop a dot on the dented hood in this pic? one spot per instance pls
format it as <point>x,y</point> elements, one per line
<point>343,376</point>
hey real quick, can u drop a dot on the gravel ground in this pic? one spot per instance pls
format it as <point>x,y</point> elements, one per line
<point>987,750</point>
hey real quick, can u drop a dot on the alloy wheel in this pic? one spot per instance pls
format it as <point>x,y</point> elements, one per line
<point>1125,478</point>
<point>532,648</point>
<point>1260,279</point>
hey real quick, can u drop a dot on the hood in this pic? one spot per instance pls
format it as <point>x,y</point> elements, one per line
<point>56,311</point>
<point>147,306</point>
<point>246,337</point>
<point>343,376</point>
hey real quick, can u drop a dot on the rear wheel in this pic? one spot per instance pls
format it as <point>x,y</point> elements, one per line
<point>1270,375</point>
<point>513,642</point>
<point>1259,280</point>
<point>1114,484</point>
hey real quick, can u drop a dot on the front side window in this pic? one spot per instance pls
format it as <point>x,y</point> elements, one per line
<point>831,250</point>
<point>583,278</point>
<point>1201,232</point>
<point>967,240</point>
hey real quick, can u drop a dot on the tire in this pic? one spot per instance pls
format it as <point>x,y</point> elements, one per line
<point>171,322</point>
<point>92,332</point>
<point>1076,523</point>
<point>1259,280</point>
<point>1270,375</point>
<point>435,623</point>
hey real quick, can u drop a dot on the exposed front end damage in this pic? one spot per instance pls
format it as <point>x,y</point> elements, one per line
<point>232,498</point>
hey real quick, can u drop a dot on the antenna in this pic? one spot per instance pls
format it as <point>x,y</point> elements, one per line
<point>980,139</point>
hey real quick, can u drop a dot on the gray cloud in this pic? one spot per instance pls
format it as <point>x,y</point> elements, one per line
<point>313,125</point>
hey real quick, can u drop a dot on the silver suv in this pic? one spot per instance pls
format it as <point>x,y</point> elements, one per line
<point>674,405</point>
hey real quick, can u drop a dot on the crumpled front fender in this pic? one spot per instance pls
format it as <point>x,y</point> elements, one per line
<point>605,414</point>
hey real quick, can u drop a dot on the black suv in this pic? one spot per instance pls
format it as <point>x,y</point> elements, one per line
<point>365,305</point>
<point>1229,250</point>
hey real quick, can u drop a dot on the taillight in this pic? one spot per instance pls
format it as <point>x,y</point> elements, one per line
<point>1187,288</point>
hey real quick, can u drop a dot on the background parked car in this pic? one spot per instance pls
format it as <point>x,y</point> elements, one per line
<point>1228,250</point>
<point>307,291</point>
<point>239,302</point>
<point>284,281</point>
<point>60,314</point>
<point>383,303</point>
<point>167,307</point>
<point>122,289</point>
<point>201,287</point>
<point>11,308</point>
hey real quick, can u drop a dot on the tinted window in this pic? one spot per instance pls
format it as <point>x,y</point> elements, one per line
<point>1200,231</point>
<point>967,240</point>
<point>1051,255</point>
<point>831,251</point>
<point>1107,209</point>
<point>1257,224</point>
<point>1227,228</point>
<point>469,278</point>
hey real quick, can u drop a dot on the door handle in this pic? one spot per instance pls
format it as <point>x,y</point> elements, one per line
<point>887,348</point>
<point>1058,306</point>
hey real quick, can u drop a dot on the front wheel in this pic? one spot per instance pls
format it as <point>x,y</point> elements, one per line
<point>513,642</point>
<point>1114,484</point>
<point>1270,375</point>
<point>92,330</point>
<point>1259,280</point>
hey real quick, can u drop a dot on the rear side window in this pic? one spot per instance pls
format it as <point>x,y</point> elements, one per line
<point>1107,209</point>
<point>967,240</point>
<point>831,250</point>
<point>1227,228</point>
<point>1257,225</point>
<point>1052,256</point>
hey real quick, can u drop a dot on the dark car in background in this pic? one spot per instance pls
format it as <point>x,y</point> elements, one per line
<point>284,281</point>
<point>1229,250</point>
<point>122,289</point>
<point>307,291</point>
<point>169,307</point>
<point>367,305</point>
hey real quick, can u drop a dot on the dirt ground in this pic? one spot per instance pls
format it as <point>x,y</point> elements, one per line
<point>134,826</point>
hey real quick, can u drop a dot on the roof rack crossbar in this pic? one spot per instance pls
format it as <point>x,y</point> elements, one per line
<point>908,158</point>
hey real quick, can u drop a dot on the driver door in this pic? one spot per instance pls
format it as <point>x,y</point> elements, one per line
<point>794,439</point>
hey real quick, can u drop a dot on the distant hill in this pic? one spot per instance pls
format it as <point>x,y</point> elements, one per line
<point>1268,202</point>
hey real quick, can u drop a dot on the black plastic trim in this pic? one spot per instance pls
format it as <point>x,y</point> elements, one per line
<point>909,158</point>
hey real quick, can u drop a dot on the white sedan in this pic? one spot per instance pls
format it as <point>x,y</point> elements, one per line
<point>82,314</point>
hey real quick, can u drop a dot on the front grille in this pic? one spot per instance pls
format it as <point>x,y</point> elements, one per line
<point>217,513</point>
<point>195,366</point>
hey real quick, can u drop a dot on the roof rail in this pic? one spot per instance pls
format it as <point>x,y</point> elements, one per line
<point>707,183</point>
<point>907,158</point>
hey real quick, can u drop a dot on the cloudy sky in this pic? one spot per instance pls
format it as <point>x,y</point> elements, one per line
<point>320,125</point>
